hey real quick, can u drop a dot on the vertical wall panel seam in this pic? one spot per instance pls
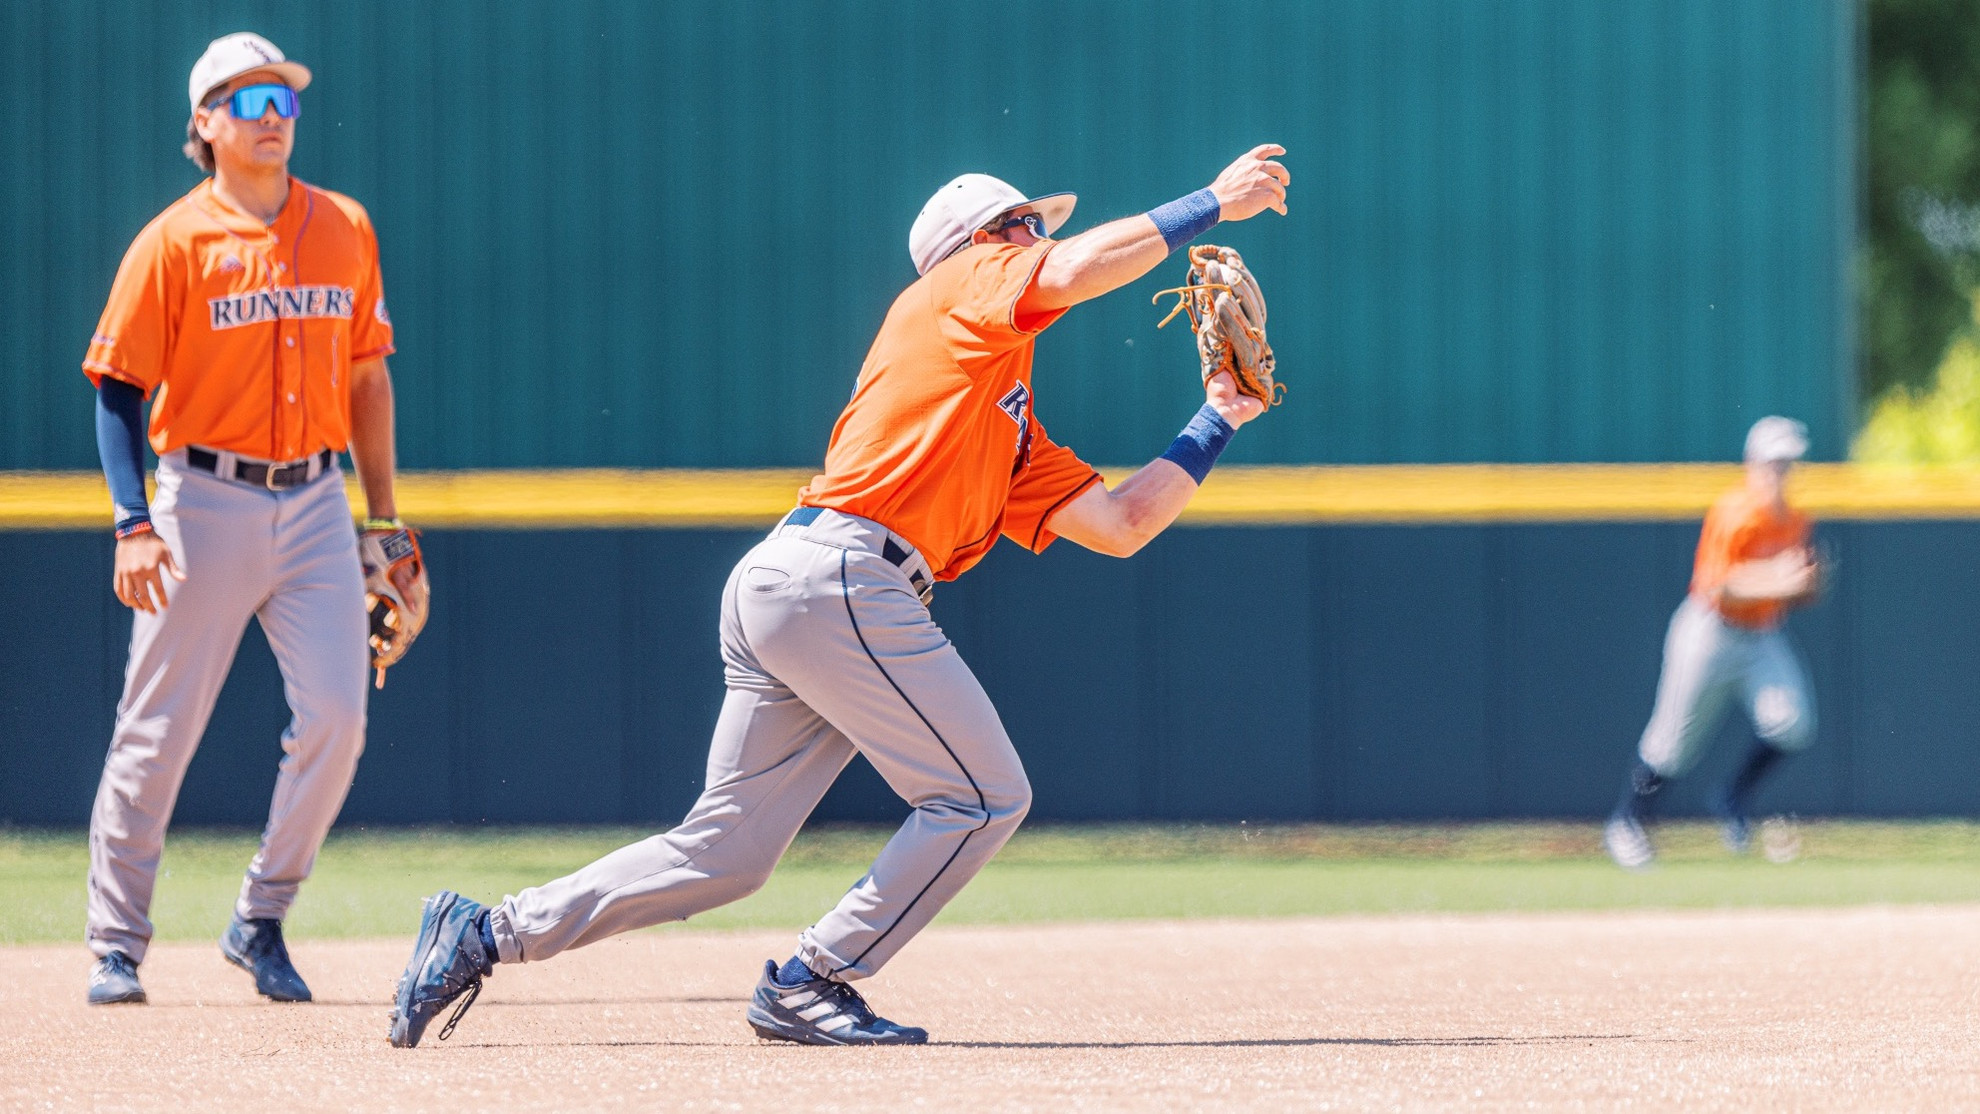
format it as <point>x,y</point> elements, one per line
<point>458,742</point>
<point>1851,186</point>
<point>1845,700</point>
<point>633,615</point>
<point>1324,630</point>
<point>1149,745</point>
<point>1499,650</point>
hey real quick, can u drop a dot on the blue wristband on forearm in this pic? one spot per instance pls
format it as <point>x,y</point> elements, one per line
<point>1186,218</point>
<point>1199,444</point>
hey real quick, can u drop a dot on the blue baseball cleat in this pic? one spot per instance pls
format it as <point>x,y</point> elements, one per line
<point>114,980</point>
<point>1735,830</point>
<point>820,1011</point>
<point>255,946</point>
<point>448,960</point>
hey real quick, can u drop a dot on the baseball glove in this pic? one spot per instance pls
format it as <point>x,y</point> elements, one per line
<point>1792,576</point>
<point>1227,310</point>
<point>396,593</point>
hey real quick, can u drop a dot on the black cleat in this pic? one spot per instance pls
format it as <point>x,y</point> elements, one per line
<point>447,961</point>
<point>114,980</point>
<point>820,1011</point>
<point>255,946</point>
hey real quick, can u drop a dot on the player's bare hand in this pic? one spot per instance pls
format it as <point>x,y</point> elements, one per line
<point>143,563</point>
<point>1236,408</point>
<point>1253,184</point>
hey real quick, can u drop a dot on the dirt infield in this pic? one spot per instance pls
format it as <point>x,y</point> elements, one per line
<point>1855,1009</point>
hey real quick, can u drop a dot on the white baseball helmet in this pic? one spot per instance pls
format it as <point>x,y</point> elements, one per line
<point>1776,438</point>
<point>230,56</point>
<point>960,208</point>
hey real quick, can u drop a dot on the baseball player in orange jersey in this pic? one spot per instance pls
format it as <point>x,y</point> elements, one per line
<point>827,642</point>
<point>250,312</point>
<point>1725,641</point>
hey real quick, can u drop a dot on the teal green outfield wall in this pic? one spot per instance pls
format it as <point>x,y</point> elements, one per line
<point>662,234</point>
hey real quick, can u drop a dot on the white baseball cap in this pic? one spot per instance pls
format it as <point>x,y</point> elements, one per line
<point>230,56</point>
<point>1776,438</point>
<point>960,208</point>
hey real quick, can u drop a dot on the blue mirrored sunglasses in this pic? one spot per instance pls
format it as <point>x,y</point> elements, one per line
<point>250,102</point>
<point>1033,221</point>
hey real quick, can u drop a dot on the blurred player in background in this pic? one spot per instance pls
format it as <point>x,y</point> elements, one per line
<point>1725,643</point>
<point>250,312</point>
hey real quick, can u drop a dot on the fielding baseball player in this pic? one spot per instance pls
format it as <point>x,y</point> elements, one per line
<point>1725,643</point>
<point>827,642</point>
<point>250,314</point>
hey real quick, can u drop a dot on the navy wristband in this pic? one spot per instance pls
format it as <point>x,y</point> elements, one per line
<point>1186,218</point>
<point>1199,444</point>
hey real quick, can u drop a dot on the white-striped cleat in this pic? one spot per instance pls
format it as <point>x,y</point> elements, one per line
<point>1628,844</point>
<point>820,1011</point>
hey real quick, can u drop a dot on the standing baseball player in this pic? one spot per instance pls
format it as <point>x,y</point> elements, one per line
<point>1725,643</point>
<point>827,642</point>
<point>250,314</point>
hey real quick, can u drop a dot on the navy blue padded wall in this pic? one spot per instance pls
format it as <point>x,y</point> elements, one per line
<point>1372,673</point>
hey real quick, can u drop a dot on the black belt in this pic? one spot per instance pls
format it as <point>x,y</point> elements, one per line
<point>274,477</point>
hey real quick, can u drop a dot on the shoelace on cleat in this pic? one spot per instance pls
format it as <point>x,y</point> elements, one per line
<point>473,992</point>
<point>851,1003</point>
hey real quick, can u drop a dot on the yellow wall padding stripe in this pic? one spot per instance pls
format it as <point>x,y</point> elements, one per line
<point>1234,495</point>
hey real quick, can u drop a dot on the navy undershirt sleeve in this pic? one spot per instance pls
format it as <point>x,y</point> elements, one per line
<point>120,445</point>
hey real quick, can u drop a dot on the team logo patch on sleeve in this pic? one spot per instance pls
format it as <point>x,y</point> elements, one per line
<point>282,303</point>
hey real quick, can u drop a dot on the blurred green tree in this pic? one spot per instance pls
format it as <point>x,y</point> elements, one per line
<point>1921,257</point>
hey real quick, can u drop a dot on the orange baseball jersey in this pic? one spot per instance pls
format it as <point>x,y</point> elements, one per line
<point>940,443</point>
<point>1738,528</point>
<point>243,334</point>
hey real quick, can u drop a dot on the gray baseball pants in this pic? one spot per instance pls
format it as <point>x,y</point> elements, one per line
<point>1707,663</point>
<point>828,650</point>
<point>290,559</point>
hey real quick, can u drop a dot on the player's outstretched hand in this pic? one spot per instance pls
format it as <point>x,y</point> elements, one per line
<point>143,563</point>
<point>1237,408</point>
<point>1253,184</point>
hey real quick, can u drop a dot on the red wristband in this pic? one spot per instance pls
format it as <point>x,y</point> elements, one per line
<point>133,529</point>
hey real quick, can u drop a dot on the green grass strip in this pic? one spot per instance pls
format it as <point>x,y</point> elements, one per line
<point>369,883</point>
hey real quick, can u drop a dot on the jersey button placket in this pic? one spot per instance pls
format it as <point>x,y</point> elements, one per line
<point>287,359</point>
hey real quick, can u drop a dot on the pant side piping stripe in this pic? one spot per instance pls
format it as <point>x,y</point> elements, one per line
<point>845,592</point>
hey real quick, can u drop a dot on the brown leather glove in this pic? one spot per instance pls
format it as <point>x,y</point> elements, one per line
<point>1227,309</point>
<point>397,596</point>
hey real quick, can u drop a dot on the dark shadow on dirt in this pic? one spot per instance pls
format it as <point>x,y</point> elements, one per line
<point>1274,1042</point>
<point>1304,1042</point>
<point>485,1003</point>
